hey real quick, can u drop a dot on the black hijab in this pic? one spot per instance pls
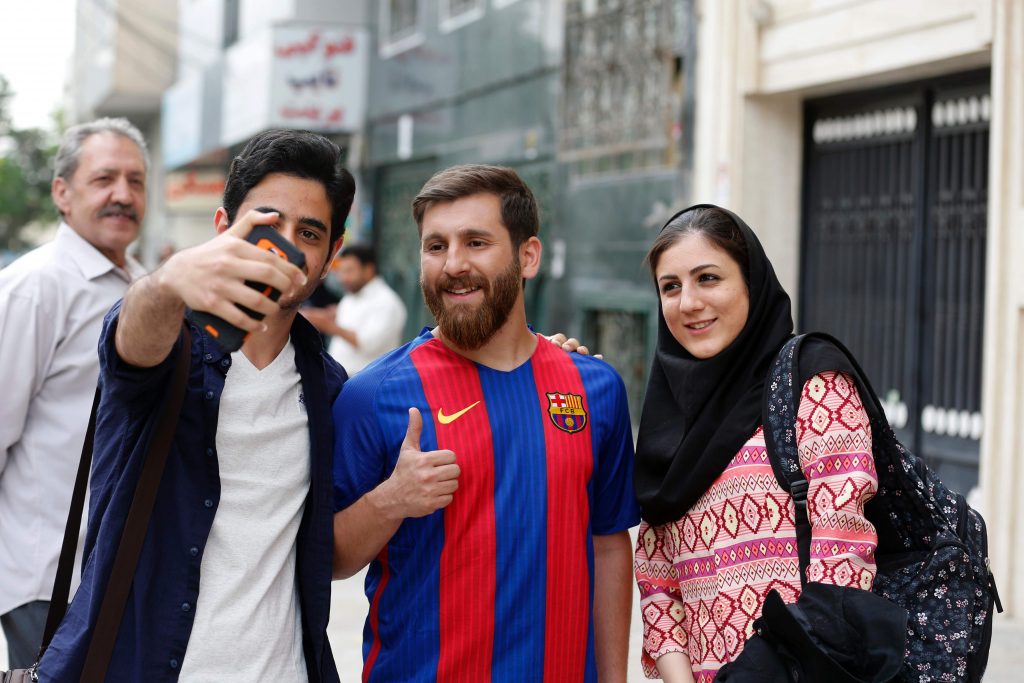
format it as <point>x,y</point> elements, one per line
<point>698,413</point>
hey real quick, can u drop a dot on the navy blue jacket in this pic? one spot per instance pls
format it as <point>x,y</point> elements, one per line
<point>158,617</point>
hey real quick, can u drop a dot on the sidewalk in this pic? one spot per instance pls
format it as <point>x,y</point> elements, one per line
<point>349,607</point>
<point>1006,658</point>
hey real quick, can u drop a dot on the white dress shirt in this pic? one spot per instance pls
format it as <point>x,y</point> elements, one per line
<point>376,315</point>
<point>52,303</point>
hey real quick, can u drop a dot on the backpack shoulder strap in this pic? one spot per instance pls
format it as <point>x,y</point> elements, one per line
<point>779,407</point>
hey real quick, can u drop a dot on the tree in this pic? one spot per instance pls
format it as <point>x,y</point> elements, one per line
<point>26,167</point>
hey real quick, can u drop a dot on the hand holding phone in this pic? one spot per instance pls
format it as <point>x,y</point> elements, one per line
<point>229,337</point>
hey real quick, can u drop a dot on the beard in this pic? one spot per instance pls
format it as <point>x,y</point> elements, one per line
<point>463,325</point>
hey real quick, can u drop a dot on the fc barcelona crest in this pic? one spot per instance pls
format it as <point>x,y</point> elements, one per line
<point>567,412</point>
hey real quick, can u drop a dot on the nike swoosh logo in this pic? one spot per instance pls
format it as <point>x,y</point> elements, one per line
<point>448,419</point>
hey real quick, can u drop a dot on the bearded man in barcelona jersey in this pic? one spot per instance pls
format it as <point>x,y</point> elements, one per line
<point>484,473</point>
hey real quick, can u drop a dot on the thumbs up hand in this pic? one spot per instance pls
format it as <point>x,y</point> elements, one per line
<point>422,481</point>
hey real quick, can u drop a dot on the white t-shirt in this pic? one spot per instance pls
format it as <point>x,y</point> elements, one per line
<point>248,625</point>
<point>377,315</point>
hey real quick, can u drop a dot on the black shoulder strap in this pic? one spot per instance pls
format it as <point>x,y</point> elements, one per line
<point>119,582</point>
<point>779,409</point>
<point>65,565</point>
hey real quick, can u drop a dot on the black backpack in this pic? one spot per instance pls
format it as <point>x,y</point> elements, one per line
<point>932,554</point>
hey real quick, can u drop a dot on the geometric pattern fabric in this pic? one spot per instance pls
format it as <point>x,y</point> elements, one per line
<point>703,579</point>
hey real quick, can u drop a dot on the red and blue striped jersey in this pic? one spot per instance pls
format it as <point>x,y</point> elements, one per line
<point>499,584</point>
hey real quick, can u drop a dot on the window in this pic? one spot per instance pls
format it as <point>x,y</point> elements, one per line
<point>230,22</point>
<point>457,13</point>
<point>622,84</point>
<point>400,26</point>
<point>628,333</point>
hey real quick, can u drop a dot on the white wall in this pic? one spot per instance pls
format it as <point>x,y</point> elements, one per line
<point>1002,467</point>
<point>821,43</point>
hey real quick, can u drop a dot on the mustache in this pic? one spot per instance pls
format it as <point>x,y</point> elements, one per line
<point>468,282</point>
<point>119,210</point>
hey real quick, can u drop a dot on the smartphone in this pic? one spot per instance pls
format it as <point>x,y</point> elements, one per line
<point>229,337</point>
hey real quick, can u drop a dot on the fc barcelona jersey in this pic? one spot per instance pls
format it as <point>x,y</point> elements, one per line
<point>499,584</point>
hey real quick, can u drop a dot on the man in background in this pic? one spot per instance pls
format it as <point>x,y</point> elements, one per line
<point>52,302</point>
<point>369,320</point>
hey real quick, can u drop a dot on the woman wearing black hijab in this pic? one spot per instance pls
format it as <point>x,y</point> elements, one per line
<point>718,532</point>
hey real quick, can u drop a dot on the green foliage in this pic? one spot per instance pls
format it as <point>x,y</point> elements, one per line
<point>26,167</point>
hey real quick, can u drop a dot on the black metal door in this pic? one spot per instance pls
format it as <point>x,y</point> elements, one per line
<point>893,258</point>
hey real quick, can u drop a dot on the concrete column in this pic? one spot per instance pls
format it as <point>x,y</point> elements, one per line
<point>748,146</point>
<point>1002,445</point>
<point>717,103</point>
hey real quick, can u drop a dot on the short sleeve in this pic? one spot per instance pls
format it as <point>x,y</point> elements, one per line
<point>615,505</point>
<point>360,452</point>
<point>661,607</point>
<point>834,442</point>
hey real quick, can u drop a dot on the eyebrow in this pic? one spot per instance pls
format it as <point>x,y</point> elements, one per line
<point>303,220</point>
<point>693,271</point>
<point>115,171</point>
<point>461,232</point>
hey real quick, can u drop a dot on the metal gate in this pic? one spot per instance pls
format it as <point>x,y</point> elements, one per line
<point>893,258</point>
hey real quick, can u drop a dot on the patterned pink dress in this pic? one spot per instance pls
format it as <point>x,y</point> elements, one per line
<point>703,578</point>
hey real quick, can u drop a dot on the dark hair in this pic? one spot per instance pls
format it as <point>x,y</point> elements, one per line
<point>519,210</point>
<point>363,252</point>
<point>297,153</point>
<point>714,225</point>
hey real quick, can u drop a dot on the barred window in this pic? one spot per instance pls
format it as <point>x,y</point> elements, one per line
<point>622,84</point>
<point>623,337</point>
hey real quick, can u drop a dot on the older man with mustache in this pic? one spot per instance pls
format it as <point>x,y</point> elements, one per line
<point>52,302</point>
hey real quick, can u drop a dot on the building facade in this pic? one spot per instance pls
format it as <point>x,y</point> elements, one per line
<point>876,148</point>
<point>125,57</point>
<point>584,99</point>
<point>244,67</point>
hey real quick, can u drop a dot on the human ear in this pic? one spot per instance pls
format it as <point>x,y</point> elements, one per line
<point>220,220</point>
<point>59,192</point>
<point>530,257</point>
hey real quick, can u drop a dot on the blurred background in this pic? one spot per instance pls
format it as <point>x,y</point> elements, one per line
<point>875,146</point>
